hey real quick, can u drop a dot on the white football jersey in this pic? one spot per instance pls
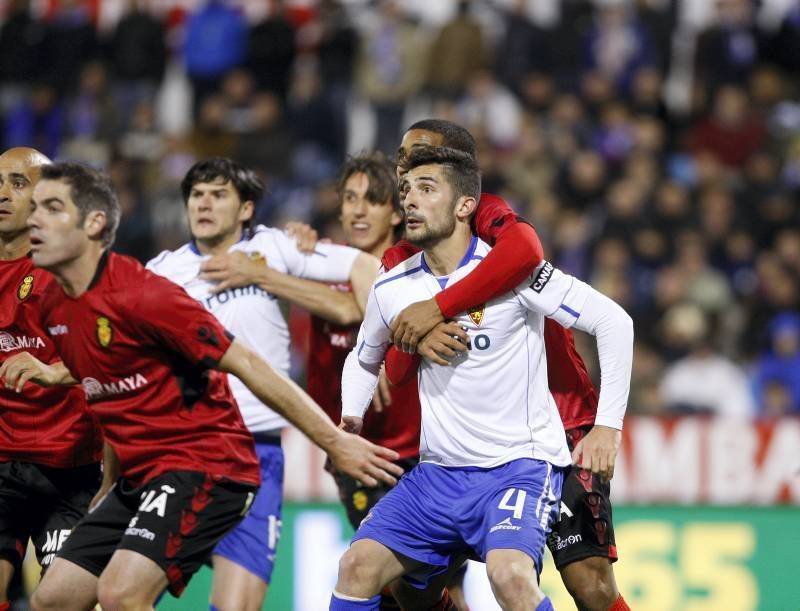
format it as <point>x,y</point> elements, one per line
<point>254,316</point>
<point>492,405</point>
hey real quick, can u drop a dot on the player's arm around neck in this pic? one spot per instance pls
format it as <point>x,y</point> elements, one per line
<point>351,454</point>
<point>319,299</point>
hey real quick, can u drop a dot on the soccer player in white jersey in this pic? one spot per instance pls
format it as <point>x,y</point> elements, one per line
<point>492,447</point>
<point>220,197</point>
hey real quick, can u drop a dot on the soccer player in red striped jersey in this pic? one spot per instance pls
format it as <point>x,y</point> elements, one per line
<point>150,360</point>
<point>50,447</point>
<point>582,542</point>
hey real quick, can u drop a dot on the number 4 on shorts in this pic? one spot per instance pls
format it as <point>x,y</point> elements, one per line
<point>516,507</point>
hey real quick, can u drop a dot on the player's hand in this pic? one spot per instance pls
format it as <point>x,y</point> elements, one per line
<point>444,343</point>
<point>597,451</point>
<point>21,368</point>
<point>305,236</point>
<point>383,394</point>
<point>365,461</point>
<point>232,269</point>
<point>414,323</point>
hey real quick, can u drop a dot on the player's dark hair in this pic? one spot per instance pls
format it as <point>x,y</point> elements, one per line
<point>460,168</point>
<point>90,190</point>
<point>247,184</point>
<point>453,135</point>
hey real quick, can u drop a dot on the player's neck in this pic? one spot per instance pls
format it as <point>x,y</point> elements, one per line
<point>76,275</point>
<point>15,246</point>
<point>444,256</point>
<point>382,246</point>
<point>218,246</point>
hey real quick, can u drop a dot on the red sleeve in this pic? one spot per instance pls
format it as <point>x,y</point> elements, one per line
<point>401,367</point>
<point>493,217</point>
<point>516,254</point>
<point>397,254</point>
<point>169,317</point>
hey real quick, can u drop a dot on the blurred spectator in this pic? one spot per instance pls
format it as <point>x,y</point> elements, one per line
<point>332,42</point>
<point>702,381</point>
<point>137,56</point>
<point>524,49</point>
<point>21,58</point>
<point>36,120</point>
<point>91,119</point>
<point>390,69</point>
<point>617,45</point>
<point>732,132</point>
<point>311,115</point>
<point>784,45</point>
<point>457,52</point>
<point>777,372</point>
<point>489,108</point>
<point>728,50</point>
<point>271,51</point>
<point>216,41</point>
<point>210,136</point>
<point>70,40</point>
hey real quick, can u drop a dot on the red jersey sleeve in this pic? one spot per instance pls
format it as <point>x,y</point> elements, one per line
<point>401,367</point>
<point>397,254</point>
<point>169,316</point>
<point>516,252</point>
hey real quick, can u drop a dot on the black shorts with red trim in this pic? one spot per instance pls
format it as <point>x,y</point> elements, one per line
<point>44,504</point>
<point>175,519</point>
<point>358,499</point>
<point>584,528</point>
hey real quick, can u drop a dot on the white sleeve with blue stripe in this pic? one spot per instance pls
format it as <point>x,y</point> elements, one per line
<point>360,373</point>
<point>574,303</point>
<point>557,295</point>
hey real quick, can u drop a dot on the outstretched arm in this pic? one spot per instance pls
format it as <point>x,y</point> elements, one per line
<point>352,455</point>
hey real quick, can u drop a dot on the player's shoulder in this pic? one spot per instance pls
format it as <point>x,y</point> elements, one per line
<point>167,258</point>
<point>403,272</point>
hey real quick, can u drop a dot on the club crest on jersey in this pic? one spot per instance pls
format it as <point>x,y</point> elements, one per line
<point>25,287</point>
<point>476,315</point>
<point>256,257</point>
<point>104,331</point>
<point>360,500</point>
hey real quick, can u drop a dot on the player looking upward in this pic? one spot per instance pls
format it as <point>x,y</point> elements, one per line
<point>491,442</point>
<point>585,566</point>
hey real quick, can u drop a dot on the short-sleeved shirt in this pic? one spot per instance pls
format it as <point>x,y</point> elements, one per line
<point>47,426</point>
<point>397,427</point>
<point>258,318</point>
<point>569,381</point>
<point>143,351</point>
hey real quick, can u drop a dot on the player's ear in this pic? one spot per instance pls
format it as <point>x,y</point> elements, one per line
<point>95,223</point>
<point>246,211</point>
<point>465,208</point>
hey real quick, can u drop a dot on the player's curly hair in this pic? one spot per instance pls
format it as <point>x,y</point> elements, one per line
<point>90,190</point>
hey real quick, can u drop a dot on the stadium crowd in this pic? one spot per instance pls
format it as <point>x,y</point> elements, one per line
<point>658,163</point>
